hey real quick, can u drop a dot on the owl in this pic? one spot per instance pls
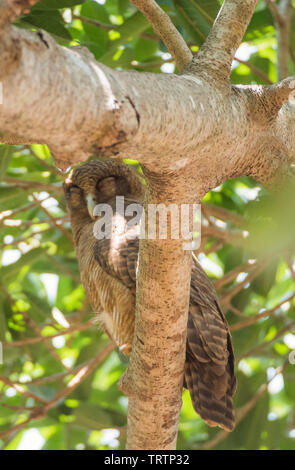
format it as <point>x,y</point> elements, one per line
<point>108,261</point>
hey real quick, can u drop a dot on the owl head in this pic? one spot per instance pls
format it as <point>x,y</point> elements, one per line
<point>99,181</point>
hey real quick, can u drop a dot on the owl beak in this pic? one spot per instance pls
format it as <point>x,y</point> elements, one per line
<point>91,205</point>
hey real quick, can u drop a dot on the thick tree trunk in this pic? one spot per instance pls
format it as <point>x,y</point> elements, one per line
<point>154,379</point>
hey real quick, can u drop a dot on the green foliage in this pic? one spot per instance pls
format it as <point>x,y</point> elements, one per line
<point>40,291</point>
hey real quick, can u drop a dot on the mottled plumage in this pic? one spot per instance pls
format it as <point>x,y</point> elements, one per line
<point>108,272</point>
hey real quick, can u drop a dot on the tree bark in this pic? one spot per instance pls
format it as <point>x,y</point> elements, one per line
<point>190,132</point>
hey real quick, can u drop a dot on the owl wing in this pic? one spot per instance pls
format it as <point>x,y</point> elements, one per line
<point>117,260</point>
<point>209,367</point>
<point>120,258</point>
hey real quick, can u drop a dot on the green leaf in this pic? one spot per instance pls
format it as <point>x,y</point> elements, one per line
<point>8,273</point>
<point>93,417</point>
<point>289,381</point>
<point>56,4</point>
<point>97,36</point>
<point>40,309</point>
<point>131,28</point>
<point>2,319</point>
<point>260,20</point>
<point>6,153</point>
<point>92,9</point>
<point>49,20</point>
<point>123,6</point>
<point>11,197</point>
<point>263,283</point>
<point>144,49</point>
<point>196,17</point>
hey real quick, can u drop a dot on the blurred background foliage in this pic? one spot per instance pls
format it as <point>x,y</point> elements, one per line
<point>58,380</point>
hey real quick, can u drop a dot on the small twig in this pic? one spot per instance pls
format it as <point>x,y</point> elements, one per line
<point>26,239</point>
<point>275,12</point>
<point>111,27</point>
<point>57,188</point>
<point>51,168</point>
<point>83,310</point>
<point>83,372</point>
<point>166,30</point>
<point>55,377</point>
<point>63,269</point>
<point>28,341</point>
<point>214,248</point>
<point>253,352</point>
<point>21,390</point>
<point>15,428</point>
<point>231,275</point>
<point>54,221</point>
<point>255,70</point>
<point>267,313</point>
<point>236,311</point>
<point>92,22</point>
<point>11,213</point>
<point>22,223</point>
<point>17,408</point>
<point>47,342</point>
<point>234,237</point>
<point>224,214</point>
<point>233,291</point>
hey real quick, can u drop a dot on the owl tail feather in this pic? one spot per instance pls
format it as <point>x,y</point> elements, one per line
<point>211,391</point>
<point>214,411</point>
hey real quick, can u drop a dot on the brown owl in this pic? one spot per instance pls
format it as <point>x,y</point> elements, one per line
<point>108,266</point>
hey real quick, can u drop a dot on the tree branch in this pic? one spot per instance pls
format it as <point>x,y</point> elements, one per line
<point>114,118</point>
<point>54,221</point>
<point>280,93</point>
<point>275,12</point>
<point>166,31</point>
<point>215,56</point>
